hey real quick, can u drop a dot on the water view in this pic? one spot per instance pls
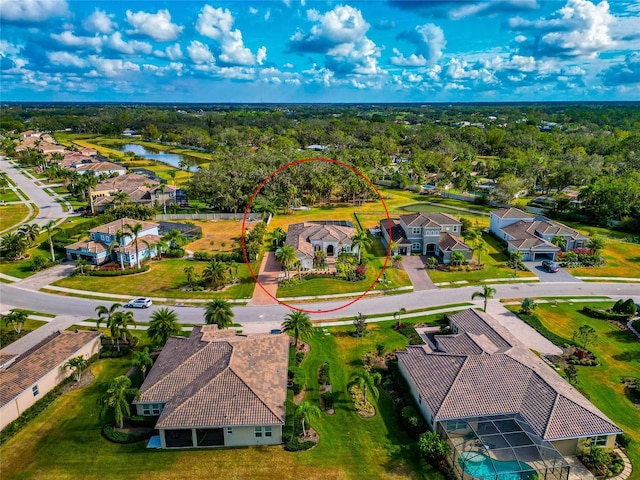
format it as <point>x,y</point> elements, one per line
<point>172,159</point>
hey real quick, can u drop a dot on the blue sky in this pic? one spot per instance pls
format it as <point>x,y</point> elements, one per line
<point>319,51</point>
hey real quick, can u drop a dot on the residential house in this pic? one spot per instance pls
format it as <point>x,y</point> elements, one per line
<point>532,235</point>
<point>140,189</point>
<point>215,389</point>
<point>102,246</point>
<point>47,148</point>
<point>26,378</point>
<point>492,398</point>
<point>330,236</point>
<point>432,233</point>
<point>101,168</point>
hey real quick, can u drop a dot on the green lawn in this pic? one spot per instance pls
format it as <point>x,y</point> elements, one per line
<point>619,355</point>
<point>29,326</point>
<point>622,260</point>
<point>165,279</point>
<point>64,442</point>
<point>9,196</point>
<point>12,215</point>
<point>495,260</point>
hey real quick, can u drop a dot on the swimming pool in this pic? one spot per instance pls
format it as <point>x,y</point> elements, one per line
<point>479,465</point>
<point>428,187</point>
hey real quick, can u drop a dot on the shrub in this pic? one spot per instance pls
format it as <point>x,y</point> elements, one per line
<point>299,381</point>
<point>117,273</point>
<point>323,374</point>
<point>410,332</point>
<point>175,253</point>
<point>412,419</point>
<point>629,307</point>
<point>142,421</point>
<point>202,256</point>
<point>299,358</point>
<point>623,440</point>
<point>604,315</point>
<point>296,445</point>
<point>119,436</point>
<point>328,399</point>
<point>433,446</point>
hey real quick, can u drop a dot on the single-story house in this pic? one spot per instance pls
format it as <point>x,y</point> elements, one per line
<point>430,233</point>
<point>490,396</point>
<point>330,236</point>
<point>26,378</point>
<point>98,249</point>
<point>140,189</point>
<point>532,235</point>
<point>100,168</point>
<point>215,389</point>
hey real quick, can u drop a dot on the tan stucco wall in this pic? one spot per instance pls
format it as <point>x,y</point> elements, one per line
<point>422,405</point>
<point>567,447</point>
<point>241,437</point>
<point>16,407</point>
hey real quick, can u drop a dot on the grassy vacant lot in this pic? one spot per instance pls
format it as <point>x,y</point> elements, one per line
<point>65,441</point>
<point>218,235</point>
<point>618,352</point>
<point>495,260</point>
<point>12,215</point>
<point>165,279</point>
<point>623,260</point>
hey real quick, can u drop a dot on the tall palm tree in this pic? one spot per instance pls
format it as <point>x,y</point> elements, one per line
<point>120,198</point>
<point>287,257</point>
<point>278,237</point>
<point>107,313</point>
<point>306,411</point>
<point>189,272</point>
<point>596,243</point>
<point>50,228</point>
<point>13,245</point>
<point>30,232</point>
<point>360,240</point>
<point>472,236</point>
<point>135,232</point>
<point>162,187</point>
<point>219,312</point>
<point>366,379</point>
<point>4,182</point>
<point>480,247</point>
<point>117,243</point>
<point>117,397</point>
<point>80,264</point>
<point>164,323</point>
<point>298,323</point>
<point>486,293</point>
<point>215,273</point>
<point>142,360</point>
<point>119,327</point>
<point>88,182</point>
<point>174,238</point>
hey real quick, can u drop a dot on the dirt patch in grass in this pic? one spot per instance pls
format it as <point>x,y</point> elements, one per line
<point>85,379</point>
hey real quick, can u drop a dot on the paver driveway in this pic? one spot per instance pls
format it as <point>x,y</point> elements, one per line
<point>415,268</point>
<point>268,278</point>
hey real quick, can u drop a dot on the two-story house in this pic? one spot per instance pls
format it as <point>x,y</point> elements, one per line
<point>103,245</point>
<point>533,235</point>
<point>432,233</point>
<point>331,236</point>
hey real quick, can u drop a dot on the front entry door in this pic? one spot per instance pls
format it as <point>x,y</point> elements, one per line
<point>330,252</point>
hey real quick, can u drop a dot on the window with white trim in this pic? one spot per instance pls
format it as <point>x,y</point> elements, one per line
<point>267,431</point>
<point>598,441</point>
<point>455,228</point>
<point>229,430</point>
<point>415,230</point>
<point>416,246</point>
<point>35,391</point>
<point>257,431</point>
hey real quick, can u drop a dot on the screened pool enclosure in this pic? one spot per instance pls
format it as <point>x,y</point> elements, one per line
<point>501,447</point>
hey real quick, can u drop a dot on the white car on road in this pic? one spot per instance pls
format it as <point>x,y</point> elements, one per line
<point>139,303</point>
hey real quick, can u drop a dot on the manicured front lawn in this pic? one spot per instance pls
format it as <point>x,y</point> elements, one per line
<point>12,215</point>
<point>618,352</point>
<point>495,261</point>
<point>8,334</point>
<point>622,260</point>
<point>165,279</point>
<point>9,196</point>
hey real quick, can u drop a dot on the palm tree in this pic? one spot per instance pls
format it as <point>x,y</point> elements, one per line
<point>472,236</point>
<point>480,247</point>
<point>219,312</point>
<point>393,247</point>
<point>596,243</point>
<point>120,197</point>
<point>559,241</point>
<point>117,242</point>
<point>162,187</point>
<point>396,315</point>
<point>77,365</point>
<point>88,182</point>
<point>164,323</point>
<point>118,395</point>
<point>103,311</point>
<point>81,263</point>
<point>307,410</point>
<point>360,240</point>
<point>298,323</point>
<point>189,272</point>
<point>30,232</point>
<point>4,182</point>
<point>142,360</point>
<point>13,245</point>
<point>119,327</point>
<point>486,293</point>
<point>172,174</point>
<point>215,273</point>
<point>278,237</point>
<point>174,238</point>
<point>16,319</point>
<point>135,231</point>
<point>527,305</point>
<point>50,228</point>
<point>286,257</point>
<point>366,379</point>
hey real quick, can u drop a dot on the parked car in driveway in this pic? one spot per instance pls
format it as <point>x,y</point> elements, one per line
<point>550,266</point>
<point>139,303</point>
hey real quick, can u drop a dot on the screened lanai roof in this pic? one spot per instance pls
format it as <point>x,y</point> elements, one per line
<point>504,447</point>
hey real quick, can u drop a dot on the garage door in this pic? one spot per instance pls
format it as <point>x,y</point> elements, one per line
<point>543,256</point>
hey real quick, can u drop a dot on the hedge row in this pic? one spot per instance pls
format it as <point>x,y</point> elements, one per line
<point>605,315</point>
<point>118,436</point>
<point>204,256</point>
<point>117,273</point>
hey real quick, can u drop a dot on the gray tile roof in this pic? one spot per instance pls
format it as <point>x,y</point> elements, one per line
<point>215,379</point>
<point>300,235</point>
<point>112,227</point>
<point>448,242</point>
<point>510,213</point>
<point>397,232</point>
<point>426,219</point>
<point>510,379</point>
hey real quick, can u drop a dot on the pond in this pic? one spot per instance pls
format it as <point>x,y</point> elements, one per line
<point>430,207</point>
<point>172,159</point>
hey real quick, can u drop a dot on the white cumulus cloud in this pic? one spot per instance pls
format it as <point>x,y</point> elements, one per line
<point>115,42</point>
<point>99,22</point>
<point>199,53</point>
<point>155,25</point>
<point>69,39</point>
<point>66,59</point>
<point>31,11</point>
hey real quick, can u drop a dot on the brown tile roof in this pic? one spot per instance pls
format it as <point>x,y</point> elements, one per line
<point>129,181</point>
<point>214,379</point>
<point>510,213</point>
<point>34,364</point>
<point>89,245</point>
<point>100,167</point>
<point>450,242</point>
<point>150,239</point>
<point>299,235</point>
<point>112,227</point>
<point>508,380</point>
<point>426,219</point>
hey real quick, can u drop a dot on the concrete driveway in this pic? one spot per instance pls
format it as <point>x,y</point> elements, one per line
<point>415,268</point>
<point>560,276</point>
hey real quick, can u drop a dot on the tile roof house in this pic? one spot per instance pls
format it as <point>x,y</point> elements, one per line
<point>96,250</point>
<point>532,235</point>
<point>26,378</point>
<point>430,233</point>
<point>140,189</point>
<point>481,370</point>
<point>100,168</point>
<point>330,236</point>
<point>214,388</point>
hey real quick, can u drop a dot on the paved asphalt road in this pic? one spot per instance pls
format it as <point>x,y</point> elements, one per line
<point>49,208</point>
<point>560,276</point>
